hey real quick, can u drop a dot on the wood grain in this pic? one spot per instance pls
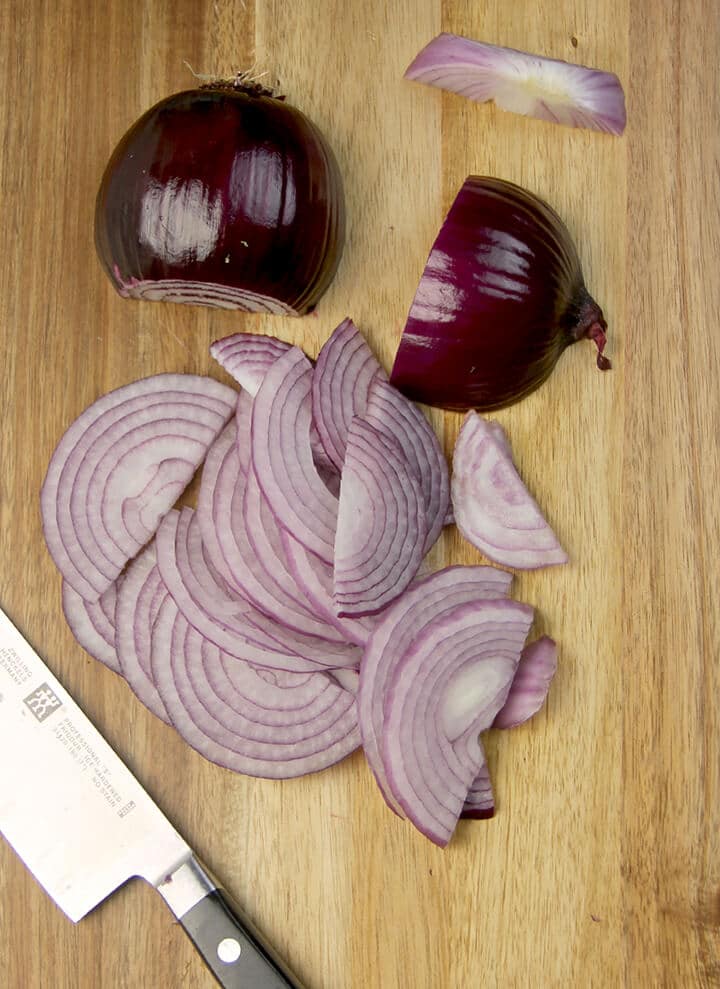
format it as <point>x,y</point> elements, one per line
<point>602,865</point>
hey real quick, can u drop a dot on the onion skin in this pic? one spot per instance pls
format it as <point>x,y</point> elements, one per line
<point>501,298</point>
<point>222,196</point>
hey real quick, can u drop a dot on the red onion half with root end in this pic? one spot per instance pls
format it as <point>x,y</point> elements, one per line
<point>501,297</point>
<point>222,196</point>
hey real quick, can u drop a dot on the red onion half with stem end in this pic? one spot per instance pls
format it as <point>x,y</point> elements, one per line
<point>222,196</point>
<point>501,297</point>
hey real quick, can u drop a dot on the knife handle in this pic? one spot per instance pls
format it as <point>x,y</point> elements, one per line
<point>230,946</point>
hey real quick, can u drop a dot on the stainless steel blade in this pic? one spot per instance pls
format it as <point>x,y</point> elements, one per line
<point>69,806</point>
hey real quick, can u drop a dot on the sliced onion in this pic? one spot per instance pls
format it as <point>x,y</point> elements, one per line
<point>255,721</point>
<point>93,623</point>
<point>381,527</point>
<point>532,85</point>
<point>230,621</point>
<point>138,603</point>
<point>446,689</point>
<point>110,480</point>
<point>282,455</point>
<point>394,635</point>
<point>316,580</point>
<point>529,689</point>
<point>493,509</point>
<point>341,383</point>
<point>393,415</point>
<point>247,357</point>
<point>479,801</point>
<point>206,500</point>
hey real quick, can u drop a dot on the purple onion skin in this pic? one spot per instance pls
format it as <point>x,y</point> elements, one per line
<point>223,186</point>
<point>501,298</point>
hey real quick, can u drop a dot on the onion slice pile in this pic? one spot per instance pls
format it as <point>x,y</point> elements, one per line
<point>493,509</point>
<point>531,85</point>
<point>277,626</point>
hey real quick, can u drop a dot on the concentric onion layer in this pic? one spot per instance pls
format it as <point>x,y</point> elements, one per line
<point>252,720</point>
<point>93,623</point>
<point>120,466</point>
<point>381,527</point>
<point>345,369</point>
<point>394,416</point>
<point>283,459</point>
<point>445,690</point>
<point>532,85</point>
<point>138,603</point>
<point>247,357</point>
<point>479,802</point>
<point>429,600</point>
<point>493,509</point>
<point>529,689</point>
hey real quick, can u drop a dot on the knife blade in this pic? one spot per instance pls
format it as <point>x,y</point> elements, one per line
<point>83,824</point>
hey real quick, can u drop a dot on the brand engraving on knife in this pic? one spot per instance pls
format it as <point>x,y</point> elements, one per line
<point>89,762</point>
<point>16,668</point>
<point>42,702</point>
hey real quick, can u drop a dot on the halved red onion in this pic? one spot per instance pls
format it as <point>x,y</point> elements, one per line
<point>249,719</point>
<point>479,802</point>
<point>445,690</point>
<point>341,383</point>
<point>222,196</point>
<point>120,466</point>
<point>493,509</point>
<point>247,357</point>
<point>230,621</point>
<point>381,525</point>
<point>93,623</point>
<point>529,689</point>
<point>393,415</point>
<point>282,455</point>
<point>138,602</point>
<point>403,621</point>
<point>532,85</point>
<point>315,578</point>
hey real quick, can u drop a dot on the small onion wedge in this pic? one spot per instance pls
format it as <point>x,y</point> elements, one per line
<point>532,85</point>
<point>249,719</point>
<point>282,455</point>
<point>479,801</point>
<point>493,509</point>
<point>529,689</point>
<point>381,527</point>
<point>341,383</point>
<point>247,357</point>
<point>446,689</point>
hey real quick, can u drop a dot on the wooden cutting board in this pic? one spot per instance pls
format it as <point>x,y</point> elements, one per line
<point>601,866</point>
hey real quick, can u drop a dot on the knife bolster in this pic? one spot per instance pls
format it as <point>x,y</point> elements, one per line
<point>186,887</point>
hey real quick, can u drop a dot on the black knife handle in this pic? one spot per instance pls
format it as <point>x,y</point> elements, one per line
<point>234,952</point>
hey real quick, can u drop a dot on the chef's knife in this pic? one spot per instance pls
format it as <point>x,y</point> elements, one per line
<point>83,825</point>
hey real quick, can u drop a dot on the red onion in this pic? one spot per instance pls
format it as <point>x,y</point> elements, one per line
<point>532,85</point>
<point>493,509</point>
<point>255,721</point>
<point>93,623</point>
<point>248,357</point>
<point>381,526</point>
<point>222,196</point>
<point>479,802</point>
<point>500,299</point>
<point>535,671</point>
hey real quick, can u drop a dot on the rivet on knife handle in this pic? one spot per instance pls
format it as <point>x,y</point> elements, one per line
<point>231,948</point>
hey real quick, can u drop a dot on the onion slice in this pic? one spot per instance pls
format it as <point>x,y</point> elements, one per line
<point>120,466</point>
<point>381,529</point>
<point>395,416</point>
<point>529,689</point>
<point>282,455</point>
<point>403,621</point>
<point>493,509</point>
<point>138,602</point>
<point>445,690</point>
<point>247,357</point>
<point>479,801</point>
<point>345,370</point>
<point>531,85</point>
<point>93,623</point>
<point>252,720</point>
